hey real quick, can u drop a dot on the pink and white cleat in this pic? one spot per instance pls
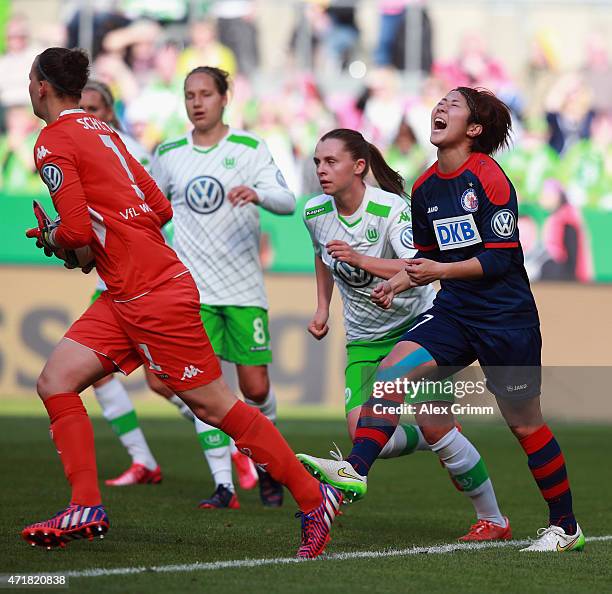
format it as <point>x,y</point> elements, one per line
<point>247,475</point>
<point>317,523</point>
<point>136,474</point>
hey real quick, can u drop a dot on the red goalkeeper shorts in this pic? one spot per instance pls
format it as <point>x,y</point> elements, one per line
<point>162,329</point>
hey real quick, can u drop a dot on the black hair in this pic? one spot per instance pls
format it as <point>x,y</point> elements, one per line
<point>66,70</point>
<point>220,77</point>
<point>494,117</point>
<point>359,148</point>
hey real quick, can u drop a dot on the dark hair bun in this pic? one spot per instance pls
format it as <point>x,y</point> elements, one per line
<point>66,69</point>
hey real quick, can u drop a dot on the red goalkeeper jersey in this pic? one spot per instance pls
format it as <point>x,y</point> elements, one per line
<point>108,201</point>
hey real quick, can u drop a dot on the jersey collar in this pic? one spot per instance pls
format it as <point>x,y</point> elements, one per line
<point>205,150</point>
<point>457,171</point>
<point>69,111</point>
<point>354,219</point>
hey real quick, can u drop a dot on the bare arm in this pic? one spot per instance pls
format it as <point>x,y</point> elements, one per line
<point>423,271</point>
<point>325,287</point>
<point>385,291</point>
<point>380,267</point>
<point>325,284</point>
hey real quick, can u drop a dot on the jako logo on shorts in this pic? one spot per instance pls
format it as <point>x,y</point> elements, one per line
<point>456,232</point>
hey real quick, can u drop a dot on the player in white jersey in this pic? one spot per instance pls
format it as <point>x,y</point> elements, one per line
<point>117,408</point>
<point>217,179</point>
<point>362,234</point>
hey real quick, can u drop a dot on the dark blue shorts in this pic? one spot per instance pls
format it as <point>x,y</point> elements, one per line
<point>511,359</point>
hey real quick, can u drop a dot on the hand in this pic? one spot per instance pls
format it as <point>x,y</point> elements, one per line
<point>422,271</point>
<point>383,295</point>
<point>318,325</point>
<point>89,267</point>
<point>241,195</point>
<point>42,236</point>
<point>343,252</point>
<point>43,232</point>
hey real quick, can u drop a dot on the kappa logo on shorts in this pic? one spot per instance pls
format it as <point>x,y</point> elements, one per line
<point>190,371</point>
<point>456,232</point>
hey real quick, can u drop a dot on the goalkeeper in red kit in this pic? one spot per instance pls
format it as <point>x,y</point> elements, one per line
<point>150,313</point>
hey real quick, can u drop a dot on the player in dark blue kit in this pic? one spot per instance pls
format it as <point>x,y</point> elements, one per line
<point>464,217</point>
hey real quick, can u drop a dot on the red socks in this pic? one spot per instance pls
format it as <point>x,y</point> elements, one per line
<point>259,439</point>
<point>547,466</point>
<point>72,434</point>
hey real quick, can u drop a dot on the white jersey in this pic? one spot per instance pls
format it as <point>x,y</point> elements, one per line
<point>380,228</point>
<point>144,158</point>
<point>218,242</point>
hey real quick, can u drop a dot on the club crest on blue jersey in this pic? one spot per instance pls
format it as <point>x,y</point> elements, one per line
<point>469,200</point>
<point>204,194</point>
<point>456,232</point>
<point>503,224</point>
<point>351,275</point>
<point>53,176</point>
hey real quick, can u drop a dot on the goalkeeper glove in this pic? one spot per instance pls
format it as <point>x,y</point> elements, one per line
<point>44,231</point>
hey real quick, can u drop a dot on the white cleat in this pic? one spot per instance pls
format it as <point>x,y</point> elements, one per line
<point>337,472</point>
<point>554,538</point>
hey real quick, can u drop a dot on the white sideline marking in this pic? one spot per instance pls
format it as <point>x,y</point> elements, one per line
<point>240,563</point>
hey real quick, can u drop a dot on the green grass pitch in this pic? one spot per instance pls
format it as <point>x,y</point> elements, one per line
<point>410,503</point>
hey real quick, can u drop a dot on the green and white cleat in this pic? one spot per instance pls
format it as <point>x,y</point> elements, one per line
<point>554,538</point>
<point>338,473</point>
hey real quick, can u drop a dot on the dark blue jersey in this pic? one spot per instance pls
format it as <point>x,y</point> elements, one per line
<point>473,212</point>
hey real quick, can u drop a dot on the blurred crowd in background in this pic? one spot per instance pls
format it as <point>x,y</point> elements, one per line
<point>144,48</point>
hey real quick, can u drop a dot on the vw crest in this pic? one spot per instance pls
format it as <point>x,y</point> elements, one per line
<point>355,277</point>
<point>204,194</point>
<point>503,224</point>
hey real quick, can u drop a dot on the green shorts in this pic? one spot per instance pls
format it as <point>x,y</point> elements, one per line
<point>238,334</point>
<point>362,361</point>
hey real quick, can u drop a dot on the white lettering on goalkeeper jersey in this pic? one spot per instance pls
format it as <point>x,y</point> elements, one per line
<point>144,158</point>
<point>218,242</point>
<point>381,228</point>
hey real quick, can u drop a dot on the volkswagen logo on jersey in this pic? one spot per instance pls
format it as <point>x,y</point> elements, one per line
<point>503,224</point>
<point>456,232</point>
<point>469,200</point>
<point>280,178</point>
<point>406,237</point>
<point>53,176</point>
<point>204,194</point>
<point>355,277</point>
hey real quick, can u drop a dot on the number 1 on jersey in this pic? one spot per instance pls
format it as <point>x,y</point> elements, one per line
<point>108,142</point>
